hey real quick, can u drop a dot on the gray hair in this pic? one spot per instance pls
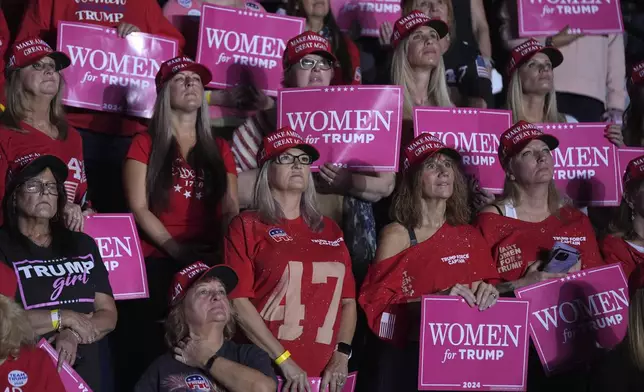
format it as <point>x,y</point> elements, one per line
<point>270,210</point>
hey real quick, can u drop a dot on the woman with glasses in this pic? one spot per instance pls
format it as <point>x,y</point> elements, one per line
<point>62,281</point>
<point>296,293</point>
<point>34,122</point>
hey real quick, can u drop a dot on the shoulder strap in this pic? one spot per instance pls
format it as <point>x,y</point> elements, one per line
<point>498,209</point>
<point>412,237</point>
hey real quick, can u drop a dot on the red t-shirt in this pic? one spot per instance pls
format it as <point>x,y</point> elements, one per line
<point>616,250</point>
<point>354,57</point>
<point>187,216</point>
<point>296,278</point>
<point>41,20</point>
<point>8,281</point>
<point>32,371</point>
<point>5,41</point>
<point>16,146</point>
<point>454,254</point>
<point>516,244</point>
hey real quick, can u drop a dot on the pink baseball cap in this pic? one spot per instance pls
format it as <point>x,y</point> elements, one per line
<point>518,136</point>
<point>282,140</point>
<point>424,146</point>
<point>637,73</point>
<point>408,24</point>
<point>178,64</point>
<point>634,170</point>
<point>187,277</point>
<point>307,43</point>
<point>32,50</point>
<point>524,52</point>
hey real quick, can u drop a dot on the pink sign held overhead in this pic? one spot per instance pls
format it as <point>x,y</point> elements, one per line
<point>585,163</point>
<point>118,242</point>
<point>109,73</point>
<point>462,348</point>
<point>548,17</point>
<point>242,46</point>
<point>314,382</point>
<point>368,14</point>
<point>71,380</point>
<point>625,155</point>
<point>573,318</point>
<point>472,132</point>
<point>358,127</point>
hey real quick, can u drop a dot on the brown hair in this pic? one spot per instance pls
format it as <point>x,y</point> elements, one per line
<point>177,329</point>
<point>16,106</point>
<point>15,330</point>
<point>622,223</point>
<point>635,336</point>
<point>406,205</point>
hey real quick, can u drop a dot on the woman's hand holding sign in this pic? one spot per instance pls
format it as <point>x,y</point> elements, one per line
<point>125,29</point>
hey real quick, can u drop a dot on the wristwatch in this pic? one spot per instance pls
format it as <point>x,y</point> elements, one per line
<point>209,362</point>
<point>549,41</point>
<point>344,349</point>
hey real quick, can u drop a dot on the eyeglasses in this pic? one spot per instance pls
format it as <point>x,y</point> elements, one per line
<point>309,63</point>
<point>288,159</point>
<point>40,66</point>
<point>39,187</point>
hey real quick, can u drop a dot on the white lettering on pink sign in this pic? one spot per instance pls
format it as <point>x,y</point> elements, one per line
<point>545,17</point>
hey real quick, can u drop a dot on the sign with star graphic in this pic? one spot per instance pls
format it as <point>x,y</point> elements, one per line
<point>573,318</point>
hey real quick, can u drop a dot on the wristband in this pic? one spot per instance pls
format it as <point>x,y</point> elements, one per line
<point>209,362</point>
<point>76,335</point>
<point>208,94</point>
<point>549,42</point>
<point>55,319</point>
<point>280,360</point>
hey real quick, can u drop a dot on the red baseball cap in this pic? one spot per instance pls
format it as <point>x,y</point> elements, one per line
<point>408,24</point>
<point>524,52</point>
<point>425,146</point>
<point>178,64</point>
<point>195,272</point>
<point>31,50</point>
<point>8,281</point>
<point>282,140</point>
<point>634,170</point>
<point>518,136</point>
<point>637,74</point>
<point>307,43</point>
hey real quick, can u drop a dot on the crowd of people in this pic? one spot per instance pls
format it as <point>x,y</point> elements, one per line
<point>262,272</point>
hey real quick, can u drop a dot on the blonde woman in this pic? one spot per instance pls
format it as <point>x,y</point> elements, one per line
<point>22,367</point>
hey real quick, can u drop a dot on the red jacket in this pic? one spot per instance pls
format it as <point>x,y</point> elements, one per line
<point>616,250</point>
<point>41,19</point>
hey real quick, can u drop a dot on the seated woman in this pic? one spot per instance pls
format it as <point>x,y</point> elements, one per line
<point>199,328</point>
<point>296,293</point>
<point>23,367</point>
<point>69,300</point>
<point>34,122</point>
<point>430,215</point>
<point>625,242</point>
<point>634,114</point>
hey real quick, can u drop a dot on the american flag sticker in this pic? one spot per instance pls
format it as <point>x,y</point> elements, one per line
<point>482,69</point>
<point>387,325</point>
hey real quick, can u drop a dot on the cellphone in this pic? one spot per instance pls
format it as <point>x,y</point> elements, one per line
<point>562,258</point>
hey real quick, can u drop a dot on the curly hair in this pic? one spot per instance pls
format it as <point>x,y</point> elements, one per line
<point>15,330</point>
<point>406,205</point>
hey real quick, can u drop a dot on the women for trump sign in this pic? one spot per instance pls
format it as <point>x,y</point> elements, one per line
<point>463,348</point>
<point>358,127</point>
<point>368,14</point>
<point>71,380</point>
<point>573,318</point>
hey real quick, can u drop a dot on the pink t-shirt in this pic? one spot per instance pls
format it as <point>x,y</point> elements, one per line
<point>184,15</point>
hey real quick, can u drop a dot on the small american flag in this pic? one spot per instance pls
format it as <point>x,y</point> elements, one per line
<point>481,68</point>
<point>387,325</point>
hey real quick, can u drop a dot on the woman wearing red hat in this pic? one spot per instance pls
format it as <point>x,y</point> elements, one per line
<point>296,292</point>
<point>430,225</point>
<point>181,185</point>
<point>34,122</point>
<point>634,114</point>
<point>624,243</point>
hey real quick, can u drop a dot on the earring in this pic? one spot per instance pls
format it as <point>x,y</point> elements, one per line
<point>632,215</point>
<point>512,178</point>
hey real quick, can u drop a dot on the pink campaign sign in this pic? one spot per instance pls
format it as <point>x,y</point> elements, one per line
<point>462,348</point>
<point>548,17</point>
<point>625,155</point>
<point>242,46</point>
<point>118,242</point>
<point>472,132</point>
<point>585,163</point>
<point>358,127</point>
<point>112,74</point>
<point>368,14</point>
<point>71,380</point>
<point>349,386</point>
<point>572,318</point>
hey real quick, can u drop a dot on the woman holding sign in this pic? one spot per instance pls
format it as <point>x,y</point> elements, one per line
<point>63,284</point>
<point>296,292</point>
<point>34,122</point>
<point>428,249</point>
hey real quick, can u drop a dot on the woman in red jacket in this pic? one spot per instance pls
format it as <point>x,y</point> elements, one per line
<point>625,242</point>
<point>106,136</point>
